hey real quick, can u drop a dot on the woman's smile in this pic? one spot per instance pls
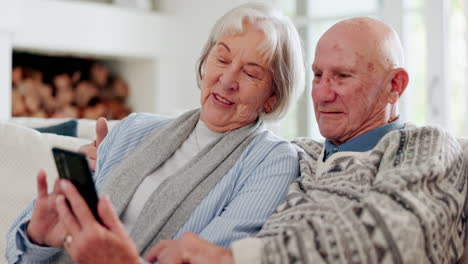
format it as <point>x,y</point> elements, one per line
<point>218,99</point>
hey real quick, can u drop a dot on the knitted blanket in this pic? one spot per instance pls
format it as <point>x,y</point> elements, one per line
<point>401,202</point>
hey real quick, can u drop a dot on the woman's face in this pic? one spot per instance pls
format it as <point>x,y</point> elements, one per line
<point>236,82</point>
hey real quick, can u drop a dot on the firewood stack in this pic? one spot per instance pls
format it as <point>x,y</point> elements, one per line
<point>69,94</point>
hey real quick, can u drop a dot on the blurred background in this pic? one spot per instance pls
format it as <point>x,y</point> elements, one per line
<point>433,33</point>
<point>89,58</point>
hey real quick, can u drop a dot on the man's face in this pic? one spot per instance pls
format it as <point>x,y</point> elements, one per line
<point>348,89</point>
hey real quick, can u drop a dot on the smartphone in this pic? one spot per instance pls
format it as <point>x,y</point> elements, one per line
<point>74,167</point>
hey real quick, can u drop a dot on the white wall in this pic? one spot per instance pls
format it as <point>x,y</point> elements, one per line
<point>5,72</point>
<point>8,24</point>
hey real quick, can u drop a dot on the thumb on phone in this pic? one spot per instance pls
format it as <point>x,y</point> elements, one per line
<point>101,130</point>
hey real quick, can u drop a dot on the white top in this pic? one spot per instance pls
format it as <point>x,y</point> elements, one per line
<point>196,141</point>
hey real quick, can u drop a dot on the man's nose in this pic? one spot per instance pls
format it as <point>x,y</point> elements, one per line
<point>229,79</point>
<point>322,90</point>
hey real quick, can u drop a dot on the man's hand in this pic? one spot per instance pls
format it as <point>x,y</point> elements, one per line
<point>90,150</point>
<point>89,241</point>
<point>44,227</point>
<point>189,249</point>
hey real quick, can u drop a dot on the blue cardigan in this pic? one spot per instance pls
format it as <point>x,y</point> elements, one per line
<point>235,208</point>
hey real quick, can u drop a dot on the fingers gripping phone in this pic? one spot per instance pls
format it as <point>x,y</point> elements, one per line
<point>74,167</point>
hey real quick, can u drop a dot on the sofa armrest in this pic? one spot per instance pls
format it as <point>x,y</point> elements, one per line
<point>25,151</point>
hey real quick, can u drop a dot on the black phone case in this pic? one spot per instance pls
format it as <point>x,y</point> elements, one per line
<point>74,167</point>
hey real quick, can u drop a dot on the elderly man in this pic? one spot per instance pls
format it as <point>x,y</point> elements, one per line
<point>377,190</point>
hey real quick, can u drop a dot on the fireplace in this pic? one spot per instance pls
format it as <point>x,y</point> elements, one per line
<point>64,86</point>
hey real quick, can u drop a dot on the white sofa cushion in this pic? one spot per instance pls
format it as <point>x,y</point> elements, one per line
<point>24,151</point>
<point>86,127</point>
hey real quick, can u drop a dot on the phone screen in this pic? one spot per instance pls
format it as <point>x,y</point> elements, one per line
<point>74,167</point>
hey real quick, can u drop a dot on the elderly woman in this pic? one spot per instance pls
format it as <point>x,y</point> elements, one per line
<point>215,171</point>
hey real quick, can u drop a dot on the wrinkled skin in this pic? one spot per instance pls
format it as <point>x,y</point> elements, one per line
<point>237,83</point>
<point>91,241</point>
<point>188,249</point>
<point>357,78</point>
<point>44,227</point>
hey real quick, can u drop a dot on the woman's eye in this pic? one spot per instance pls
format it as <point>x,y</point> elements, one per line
<point>251,75</point>
<point>317,75</point>
<point>222,60</point>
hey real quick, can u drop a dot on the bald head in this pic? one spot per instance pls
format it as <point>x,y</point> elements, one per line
<point>358,78</point>
<point>370,37</point>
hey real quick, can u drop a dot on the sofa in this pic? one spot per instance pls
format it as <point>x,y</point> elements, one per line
<point>24,151</point>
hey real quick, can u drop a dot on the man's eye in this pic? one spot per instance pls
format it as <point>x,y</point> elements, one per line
<point>317,75</point>
<point>343,75</point>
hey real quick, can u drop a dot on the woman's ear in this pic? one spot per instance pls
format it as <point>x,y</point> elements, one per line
<point>270,103</point>
<point>202,70</point>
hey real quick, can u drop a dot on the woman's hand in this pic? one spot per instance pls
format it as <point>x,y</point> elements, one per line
<point>189,249</point>
<point>90,150</point>
<point>87,240</point>
<point>44,227</point>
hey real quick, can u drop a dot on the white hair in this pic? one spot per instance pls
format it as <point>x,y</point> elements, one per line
<point>281,49</point>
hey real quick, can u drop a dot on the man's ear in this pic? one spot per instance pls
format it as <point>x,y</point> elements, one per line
<point>399,83</point>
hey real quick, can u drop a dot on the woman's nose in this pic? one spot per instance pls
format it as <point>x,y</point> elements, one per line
<point>322,90</point>
<point>229,79</point>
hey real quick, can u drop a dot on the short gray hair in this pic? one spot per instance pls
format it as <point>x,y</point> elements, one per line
<point>282,49</point>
